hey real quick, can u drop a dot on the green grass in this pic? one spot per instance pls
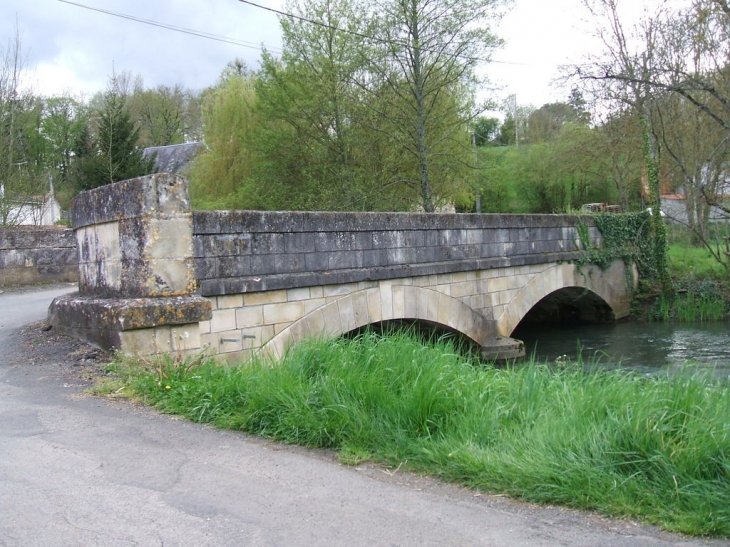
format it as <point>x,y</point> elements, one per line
<point>687,260</point>
<point>656,449</point>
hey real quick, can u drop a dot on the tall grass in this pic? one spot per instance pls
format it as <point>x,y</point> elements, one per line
<point>657,449</point>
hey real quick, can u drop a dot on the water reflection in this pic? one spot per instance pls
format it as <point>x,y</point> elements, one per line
<point>645,347</point>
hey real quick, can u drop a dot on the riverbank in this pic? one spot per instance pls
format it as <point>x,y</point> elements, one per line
<point>701,287</point>
<point>655,449</point>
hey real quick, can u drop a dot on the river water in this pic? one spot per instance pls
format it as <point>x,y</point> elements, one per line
<point>649,348</point>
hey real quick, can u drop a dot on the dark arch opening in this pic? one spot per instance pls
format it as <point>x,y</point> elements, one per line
<point>567,307</point>
<point>424,330</point>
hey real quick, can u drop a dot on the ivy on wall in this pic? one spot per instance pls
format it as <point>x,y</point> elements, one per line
<point>626,236</point>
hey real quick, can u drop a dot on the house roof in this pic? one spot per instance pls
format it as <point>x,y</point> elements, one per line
<point>173,158</point>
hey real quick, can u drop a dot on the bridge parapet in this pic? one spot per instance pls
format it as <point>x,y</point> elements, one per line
<point>253,251</point>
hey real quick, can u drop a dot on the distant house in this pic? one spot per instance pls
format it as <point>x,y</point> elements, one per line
<point>675,208</point>
<point>174,158</point>
<point>41,210</point>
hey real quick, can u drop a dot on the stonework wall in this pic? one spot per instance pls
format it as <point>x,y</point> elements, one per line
<point>470,302</point>
<point>483,305</point>
<point>249,251</point>
<point>37,255</point>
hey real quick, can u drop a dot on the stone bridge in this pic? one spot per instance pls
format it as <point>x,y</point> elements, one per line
<point>156,277</point>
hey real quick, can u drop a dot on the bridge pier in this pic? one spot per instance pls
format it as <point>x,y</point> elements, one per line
<point>156,277</point>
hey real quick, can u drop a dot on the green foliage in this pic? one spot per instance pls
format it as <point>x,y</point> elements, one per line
<point>114,154</point>
<point>486,131</point>
<point>626,445</point>
<point>625,236</point>
<point>223,175</point>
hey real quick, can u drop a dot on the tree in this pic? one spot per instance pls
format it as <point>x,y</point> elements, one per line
<point>63,126</point>
<point>616,148</point>
<point>165,115</point>
<point>425,55</point>
<point>223,175</point>
<point>545,123</point>
<point>115,155</point>
<point>623,75</point>
<point>309,101</point>
<point>486,130</point>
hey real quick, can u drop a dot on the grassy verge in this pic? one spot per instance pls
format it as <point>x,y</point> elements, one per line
<point>657,449</point>
<point>701,284</point>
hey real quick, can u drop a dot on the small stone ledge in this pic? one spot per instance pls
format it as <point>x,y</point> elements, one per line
<point>219,222</point>
<point>502,348</point>
<point>101,321</point>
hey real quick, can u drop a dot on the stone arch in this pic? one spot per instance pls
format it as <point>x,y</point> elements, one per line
<point>386,302</point>
<point>610,285</point>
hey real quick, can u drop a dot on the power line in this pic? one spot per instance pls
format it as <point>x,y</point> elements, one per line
<point>355,33</point>
<point>192,32</point>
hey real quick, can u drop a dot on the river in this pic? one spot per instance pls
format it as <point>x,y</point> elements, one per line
<point>649,348</point>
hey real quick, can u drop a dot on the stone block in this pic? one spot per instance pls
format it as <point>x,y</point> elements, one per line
<point>281,327</point>
<point>317,261</point>
<point>286,312</point>
<point>313,304</point>
<point>399,302</point>
<point>234,266</point>
<point>261,298</point>
<point>374,305</point>
<point>139,342</point>
<point>293,295</point>
<point>223,320</point>
<point>230,341</point>
<point>360,308</point>
<point>229,301</point>
<point>330,291</point>
<point>268,243</point>
<point>249,316</point>
<point>346,311</point>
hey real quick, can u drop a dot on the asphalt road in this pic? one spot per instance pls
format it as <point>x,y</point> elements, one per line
<point>76,470</point>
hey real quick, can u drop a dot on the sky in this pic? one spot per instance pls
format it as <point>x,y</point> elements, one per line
<point>74,50</point>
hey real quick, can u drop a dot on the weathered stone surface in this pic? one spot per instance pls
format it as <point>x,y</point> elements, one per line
<point>135,239</point>
<point>100,321</point>
<point>160,195</point>
<point>255,251</point>
<point>502,348</point>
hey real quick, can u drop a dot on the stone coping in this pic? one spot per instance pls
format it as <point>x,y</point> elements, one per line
<point>123,314</point>
<point>221,222</point>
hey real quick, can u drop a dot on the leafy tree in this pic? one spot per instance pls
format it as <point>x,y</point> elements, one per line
<point>486,130</point>
<point>165,115</point>
<point>427,50</point>
<point>545,123</point>
<point>222,176</point>
<point>310,92</point>
<point>115,155</point>
<point>623,75</point>
<point>64,126</point>
<point>616,151</point>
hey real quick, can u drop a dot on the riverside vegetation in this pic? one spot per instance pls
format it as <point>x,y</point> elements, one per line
<point>655,449</point>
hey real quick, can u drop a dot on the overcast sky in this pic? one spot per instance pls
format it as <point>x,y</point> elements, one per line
<point>73,49</point>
